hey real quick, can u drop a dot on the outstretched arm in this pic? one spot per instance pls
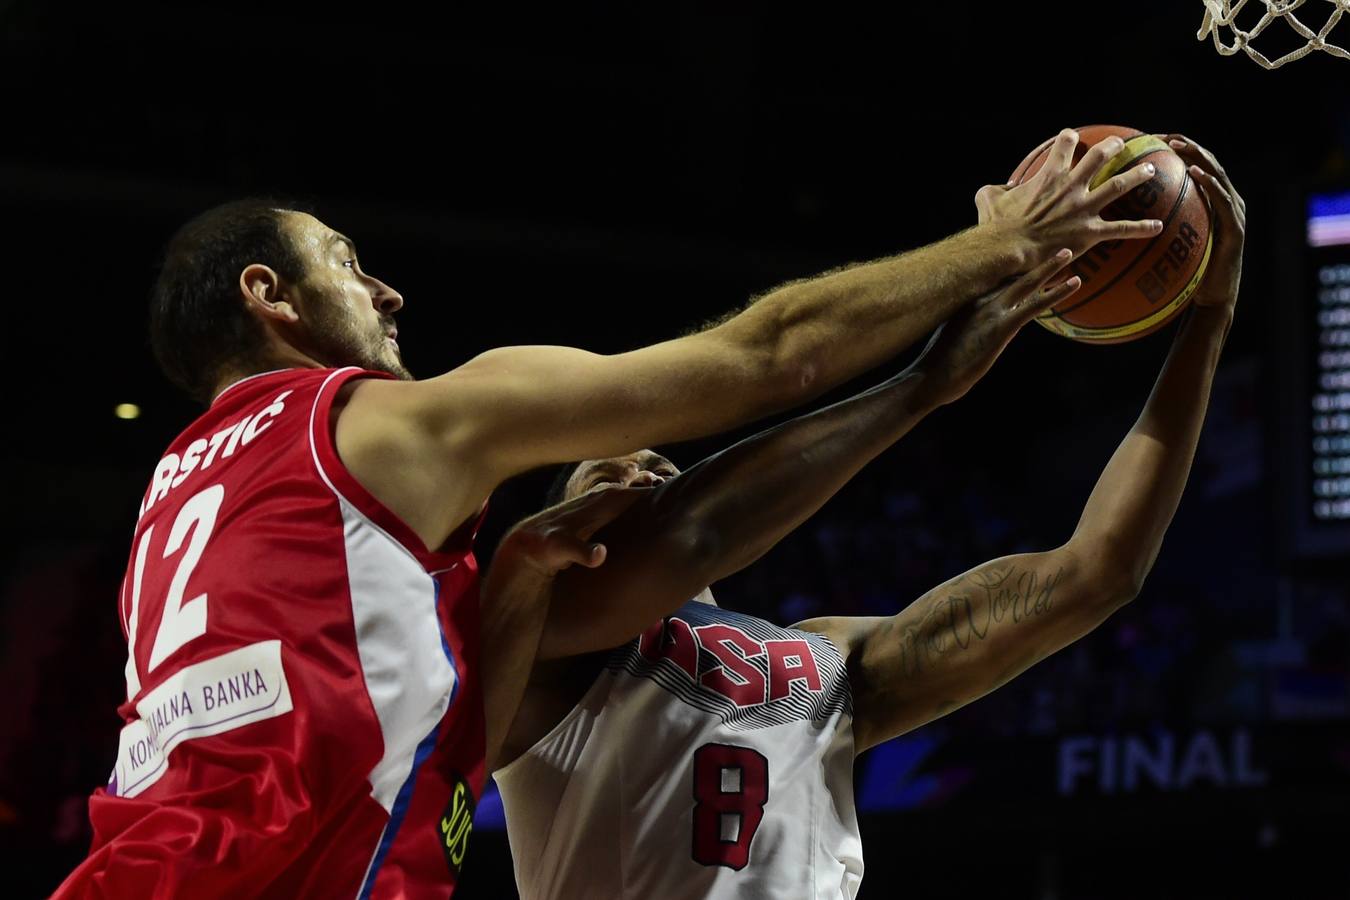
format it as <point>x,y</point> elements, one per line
<point>724,513</point>
<point>972,634</point>
<point>433,450</point>
<point>516,592</point>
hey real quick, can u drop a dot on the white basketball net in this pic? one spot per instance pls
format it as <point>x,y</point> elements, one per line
<point>1220,14</point>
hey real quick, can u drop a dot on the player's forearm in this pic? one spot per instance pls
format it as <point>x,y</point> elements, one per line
<point>1134,500</point>
<point>539,405</point>
<point>967,637</point>
<point>738,504</point>
<point>724,513</point>
<point>830,328</point>
<point>514,607</point>
<point>973,634</point>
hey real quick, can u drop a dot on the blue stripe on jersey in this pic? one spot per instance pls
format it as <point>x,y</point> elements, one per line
<point>400,808</point>
<point>399,811</point>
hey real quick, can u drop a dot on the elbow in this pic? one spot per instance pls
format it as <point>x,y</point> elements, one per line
<point>794,375</point>
<point>1126,589</point>
<point>1122,579</point>
<point>699,553</point>
<point>694,556</point>
<point>806,378</point>
<point>1116,573</point>
<point>790,365</point>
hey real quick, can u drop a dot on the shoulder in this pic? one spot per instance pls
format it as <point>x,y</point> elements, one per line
<point>388,435</point>
<point>443,408</point>
<point>846,633</point>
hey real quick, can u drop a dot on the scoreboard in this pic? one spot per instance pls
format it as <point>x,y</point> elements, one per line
<point>1313,366</point>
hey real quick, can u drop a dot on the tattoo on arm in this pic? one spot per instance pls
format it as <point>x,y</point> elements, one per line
<point>966,613</point>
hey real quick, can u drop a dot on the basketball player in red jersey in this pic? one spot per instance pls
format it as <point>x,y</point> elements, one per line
<point>305,687</point>
<point>711,757</point>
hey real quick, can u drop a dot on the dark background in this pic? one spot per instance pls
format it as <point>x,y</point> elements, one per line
<point>608,177</point>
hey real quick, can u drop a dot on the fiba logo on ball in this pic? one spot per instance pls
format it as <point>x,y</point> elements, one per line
<point>1154,283</point>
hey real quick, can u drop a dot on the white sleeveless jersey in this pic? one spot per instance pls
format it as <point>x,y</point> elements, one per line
<point>712,758</point>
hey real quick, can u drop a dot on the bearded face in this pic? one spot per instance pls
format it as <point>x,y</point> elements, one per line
<point>346,314</point>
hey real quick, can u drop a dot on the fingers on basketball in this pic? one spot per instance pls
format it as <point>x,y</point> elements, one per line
<point>1061,151</point>
<point>1222,206</point>
<point>1031,291</point>
<point>1047,297</point>
<point>1120,185</point>
<point>1128,229</point>
<point>1096,157</point>
<point>985,196</point>
<point>1196,154</point>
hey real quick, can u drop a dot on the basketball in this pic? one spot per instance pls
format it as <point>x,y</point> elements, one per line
<point>1133,287</point>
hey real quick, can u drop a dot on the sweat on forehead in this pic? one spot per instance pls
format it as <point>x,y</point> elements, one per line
<point>317,233</point>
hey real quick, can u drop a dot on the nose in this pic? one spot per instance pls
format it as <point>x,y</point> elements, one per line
<point>385,299</point>
<point>646,479</point>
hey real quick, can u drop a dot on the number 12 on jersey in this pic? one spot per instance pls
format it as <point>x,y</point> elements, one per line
<point>181,620</point>
<point>731,786</point>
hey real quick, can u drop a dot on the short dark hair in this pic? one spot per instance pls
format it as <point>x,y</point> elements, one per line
<point>557,491</point>
<point>198,324</point>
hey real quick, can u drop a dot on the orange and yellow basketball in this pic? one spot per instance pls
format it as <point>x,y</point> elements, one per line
<point>1133,287</point>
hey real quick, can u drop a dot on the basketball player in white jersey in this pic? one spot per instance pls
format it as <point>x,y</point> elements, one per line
<point>712,755</point>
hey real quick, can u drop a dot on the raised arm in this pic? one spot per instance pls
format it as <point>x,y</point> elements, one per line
<point>725,512</point>
<point>433,450</point>
<point>972,634</point>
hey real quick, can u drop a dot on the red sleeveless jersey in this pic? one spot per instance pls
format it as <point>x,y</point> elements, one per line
<point>303,717</point>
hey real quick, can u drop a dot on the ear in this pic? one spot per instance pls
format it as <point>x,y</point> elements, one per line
<point>261,286</point>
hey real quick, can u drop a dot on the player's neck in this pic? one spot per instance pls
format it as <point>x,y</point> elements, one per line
<point>278,358</point>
